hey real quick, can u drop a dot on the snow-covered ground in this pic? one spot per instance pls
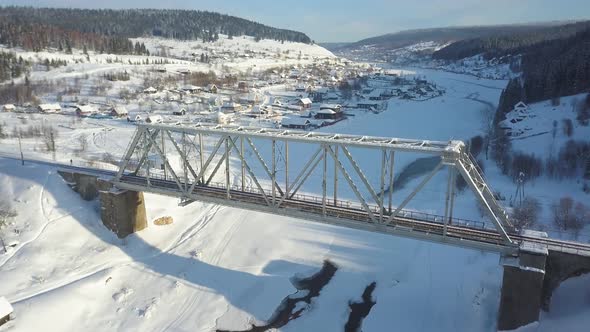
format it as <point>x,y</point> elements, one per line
<point>220,267</point>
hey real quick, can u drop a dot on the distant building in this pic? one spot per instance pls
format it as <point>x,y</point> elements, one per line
<point>330,114</point>
<point>8,108</point>
<point>150,90</point>
<point>191,89</point>
<point>49,108</point>
<point>231,107</point>
<point>333,107</point>
<point>118,111</point>
<point>154,119</point>
<point>5,311</point>
<point>303,103</point>
<point>296,123</point>
<point>211,88</point>
<point>243,86</point>
<point>367,105</point>
<point>182,111</point>
<point>85,110</point>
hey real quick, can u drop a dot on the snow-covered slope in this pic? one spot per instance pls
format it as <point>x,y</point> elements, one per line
<point>219,267</point>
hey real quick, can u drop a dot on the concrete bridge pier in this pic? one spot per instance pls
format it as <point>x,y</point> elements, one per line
<point>122,211</point>
<point>521,298</point>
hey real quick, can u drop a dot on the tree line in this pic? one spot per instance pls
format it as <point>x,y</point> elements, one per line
<point>12,66</point>
<point>26,26</point>
<point>507,42</point>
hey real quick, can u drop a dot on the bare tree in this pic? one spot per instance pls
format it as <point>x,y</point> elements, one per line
<point>527,213</point>
<point>6,213</point>
<point>564,215</point>
<point>49,136</point>
<point>83,141</point>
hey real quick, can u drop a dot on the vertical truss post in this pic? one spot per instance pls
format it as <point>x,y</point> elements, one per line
<point>243,166</point>
<point>453,187</point>
<point>382,185</point>
<point>286,168</point>
<point>227,182</point>
<point>201,151</point>
<point>391,164</point>
<point>138,135</point>
<point>336,177</point>
<point>447,200</point>
<point>184,160</point>
<point>324,184</point>
<point>274,173</point>
<point>164,153</point>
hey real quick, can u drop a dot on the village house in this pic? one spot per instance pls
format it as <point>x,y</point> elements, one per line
<point>118,111</point>
<point>296,123</point>
<point>211,88</point>
<point>154,118</point>
<point>303,103</point>
<point>303,88</point>
<point>8,108</point>
<point>327,113</point>
<point>191,89</point>
<point>49,108</point>
<point>150,90</point>
<point>243,86</point>
<point>5,311</point>
<point>367,105</point>
<point>182,111</point>
<point>85,110</point>
<point>231,107</point>
<point>333,107</point>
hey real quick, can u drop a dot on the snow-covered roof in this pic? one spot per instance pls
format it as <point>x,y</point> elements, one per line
<point>286,121</point>
<point>120,110</point>
<point>86,108</point>
<point>9,107</point>
<point>150,89</point>
<point>326,111</point>
<point>305,101</point>
<point>49,107</point>
<point>330,106</point>
<point>5,307</point>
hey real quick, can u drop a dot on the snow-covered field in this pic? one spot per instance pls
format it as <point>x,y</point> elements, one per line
<point>223,268</point>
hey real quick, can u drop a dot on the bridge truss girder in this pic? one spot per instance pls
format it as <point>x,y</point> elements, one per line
<point>198,168</point>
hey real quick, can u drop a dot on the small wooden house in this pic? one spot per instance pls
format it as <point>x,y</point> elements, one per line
<point>180,112</point>
<point>49,108</point>
<point>85,110</point>
<point>154,119</point>
<point>211,88</point>
<point>118,111</point>
<point>8,108</point>
<point>296,123</point>
<point>231,108</point>
<point>150,90</point>
<point>303,103</point>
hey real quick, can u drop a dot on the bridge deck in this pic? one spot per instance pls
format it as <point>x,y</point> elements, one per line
<point>463,233</point>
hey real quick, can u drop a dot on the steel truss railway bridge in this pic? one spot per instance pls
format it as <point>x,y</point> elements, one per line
<point>266,170</point>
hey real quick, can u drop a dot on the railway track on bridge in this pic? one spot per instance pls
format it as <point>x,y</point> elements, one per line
<point>459,229</point>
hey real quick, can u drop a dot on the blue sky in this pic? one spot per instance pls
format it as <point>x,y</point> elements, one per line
<point>346,20</point>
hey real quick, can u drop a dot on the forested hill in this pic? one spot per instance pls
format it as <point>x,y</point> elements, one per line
<point>509,42</point>
<point>441,35</point>
<point>550,69</point>
<point>107,29</point>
